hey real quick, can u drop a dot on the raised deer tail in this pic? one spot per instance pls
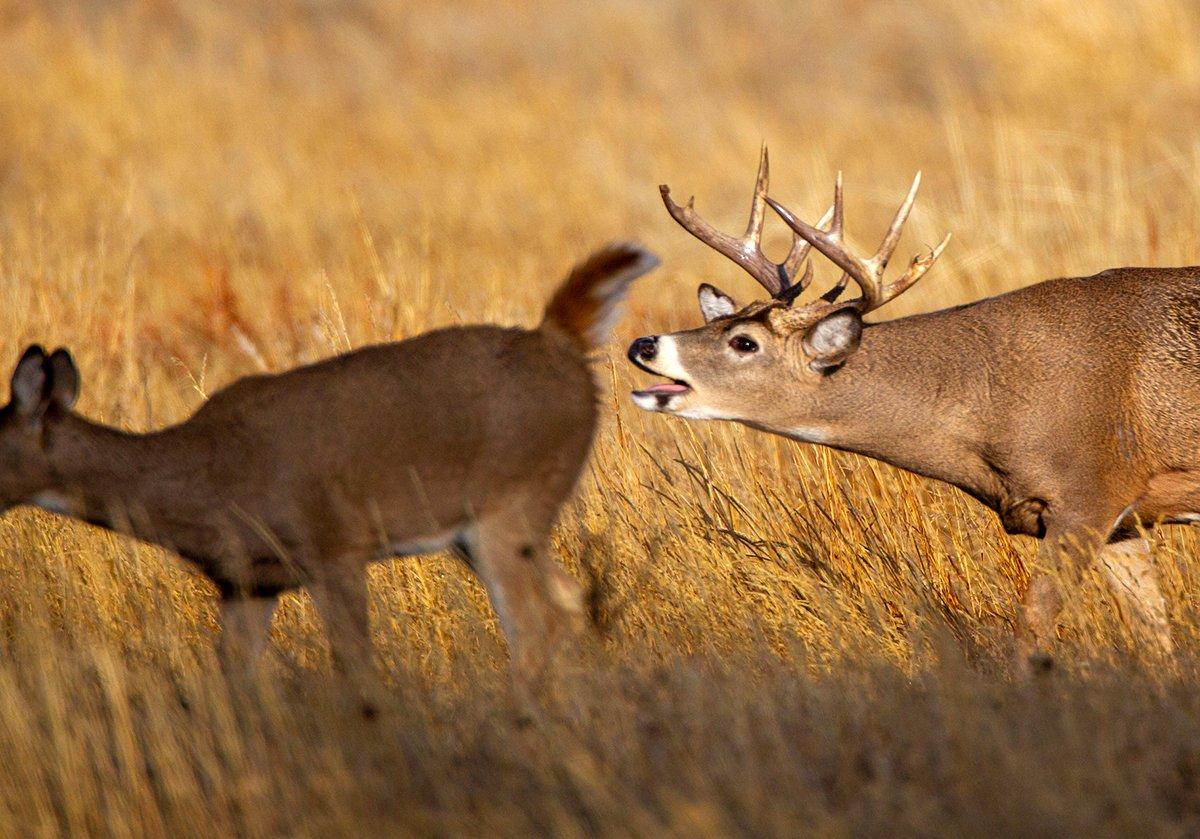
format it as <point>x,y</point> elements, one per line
<point>586,305</point>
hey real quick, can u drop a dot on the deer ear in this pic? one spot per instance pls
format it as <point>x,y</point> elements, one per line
<point>714,303</point>
<point>832,339</point>
<point>64,379</point>
<point>29,382</point>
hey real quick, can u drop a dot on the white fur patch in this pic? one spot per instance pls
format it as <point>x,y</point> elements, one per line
<point>611,294</point>
<point>703,412</point>
<point>647,401</point>
<point>1121,517</point>
<point>664,403</point>
<point>714,304</point>
<point>564,591</point>
<point>666,362</point>
<point>808,434</point>
<point>55,502</point>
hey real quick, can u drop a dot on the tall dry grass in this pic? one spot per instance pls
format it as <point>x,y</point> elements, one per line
<point>797,641</point>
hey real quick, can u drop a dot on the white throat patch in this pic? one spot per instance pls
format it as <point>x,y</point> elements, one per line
<point>702,412</point>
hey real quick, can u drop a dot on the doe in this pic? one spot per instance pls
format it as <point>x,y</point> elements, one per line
<point>468,438</point>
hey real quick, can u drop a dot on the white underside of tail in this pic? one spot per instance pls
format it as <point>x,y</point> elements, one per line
<point>610,296</point>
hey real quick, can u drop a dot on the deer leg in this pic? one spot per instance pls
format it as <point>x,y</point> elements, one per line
<point>1132,578</point>
<point>539,605</point>
<point>245,622</point>
<point>340,595</point>
<point>1037,621</point>
<point>1037,616</point>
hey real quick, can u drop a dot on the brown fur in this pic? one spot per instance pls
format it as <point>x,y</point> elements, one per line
<point>1069,407</point>
<point>468,437</point>
<point>583,306</point>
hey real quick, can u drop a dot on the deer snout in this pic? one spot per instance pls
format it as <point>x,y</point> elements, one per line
<point>643,349</point>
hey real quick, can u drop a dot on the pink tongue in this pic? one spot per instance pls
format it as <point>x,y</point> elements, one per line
<point>670,387</point>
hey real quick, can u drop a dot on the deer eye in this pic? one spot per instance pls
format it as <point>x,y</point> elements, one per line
<point>742,344</point>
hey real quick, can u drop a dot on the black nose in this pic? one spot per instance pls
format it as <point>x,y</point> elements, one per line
<point>643,349</point>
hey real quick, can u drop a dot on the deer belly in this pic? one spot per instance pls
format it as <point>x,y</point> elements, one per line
<point>257,576</point>
<point>422,545</point>
<point>1171,498</point>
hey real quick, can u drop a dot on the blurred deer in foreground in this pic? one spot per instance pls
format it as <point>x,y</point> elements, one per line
<point>468,438</point>
<point>1068,407</point>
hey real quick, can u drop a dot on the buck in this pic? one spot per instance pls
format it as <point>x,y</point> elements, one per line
<point>467,438</point>
<point>1068,407</point>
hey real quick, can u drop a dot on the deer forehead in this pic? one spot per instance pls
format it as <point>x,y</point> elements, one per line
<point>769,318</point>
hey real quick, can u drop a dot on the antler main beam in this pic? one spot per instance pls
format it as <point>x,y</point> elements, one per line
<point>778,278</point>
<point>867,273</point>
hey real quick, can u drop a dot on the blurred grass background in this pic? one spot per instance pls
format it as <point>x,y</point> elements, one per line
<point>798,641</point>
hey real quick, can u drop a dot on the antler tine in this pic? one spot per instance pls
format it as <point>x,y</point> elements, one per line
<point>800,249</point>
<point>758,205</point>
<point>697,226</point>
<point>866,273</point>
<point>888,246</point>
<point>835,291</point>
<point>916,269</point>
<point>832,243</point>
<point>789,294</point>
<point>776,277</point>
<point>839,210</point>
<point>785,272</point>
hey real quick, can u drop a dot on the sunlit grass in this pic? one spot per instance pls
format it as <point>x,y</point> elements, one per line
<point>796,640</point>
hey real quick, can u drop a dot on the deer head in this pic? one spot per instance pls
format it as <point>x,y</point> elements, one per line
<point>754,363</point>
<point>44,388</point>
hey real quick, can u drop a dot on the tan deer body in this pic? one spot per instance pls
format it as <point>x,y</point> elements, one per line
<point>976,396</point>
<point>1068,407</point>
<point>468,437</point>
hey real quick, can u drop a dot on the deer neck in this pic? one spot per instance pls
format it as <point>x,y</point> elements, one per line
<point>911,396</point>
<point>105,476</point>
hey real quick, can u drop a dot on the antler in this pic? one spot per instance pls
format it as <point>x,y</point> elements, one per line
<point>867,273</point>
<point>779,278</point>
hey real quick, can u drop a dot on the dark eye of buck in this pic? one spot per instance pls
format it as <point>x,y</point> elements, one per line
<point>742,344</point>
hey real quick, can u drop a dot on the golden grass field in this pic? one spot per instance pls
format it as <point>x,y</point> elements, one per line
<point>796,641</point>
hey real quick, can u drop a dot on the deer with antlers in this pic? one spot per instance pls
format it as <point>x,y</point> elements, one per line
<point>1067,407</point>
<point>468,438</point>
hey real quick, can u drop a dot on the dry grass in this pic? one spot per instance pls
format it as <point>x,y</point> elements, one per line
<point>798,641</point>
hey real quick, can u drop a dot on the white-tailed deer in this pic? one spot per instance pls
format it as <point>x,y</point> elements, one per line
<point>468,438</point>
<point>1068,407</point>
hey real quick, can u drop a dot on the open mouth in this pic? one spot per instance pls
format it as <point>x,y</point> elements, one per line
<point>672,388</point>
<point>657,397</point>
<point>662,396</point>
